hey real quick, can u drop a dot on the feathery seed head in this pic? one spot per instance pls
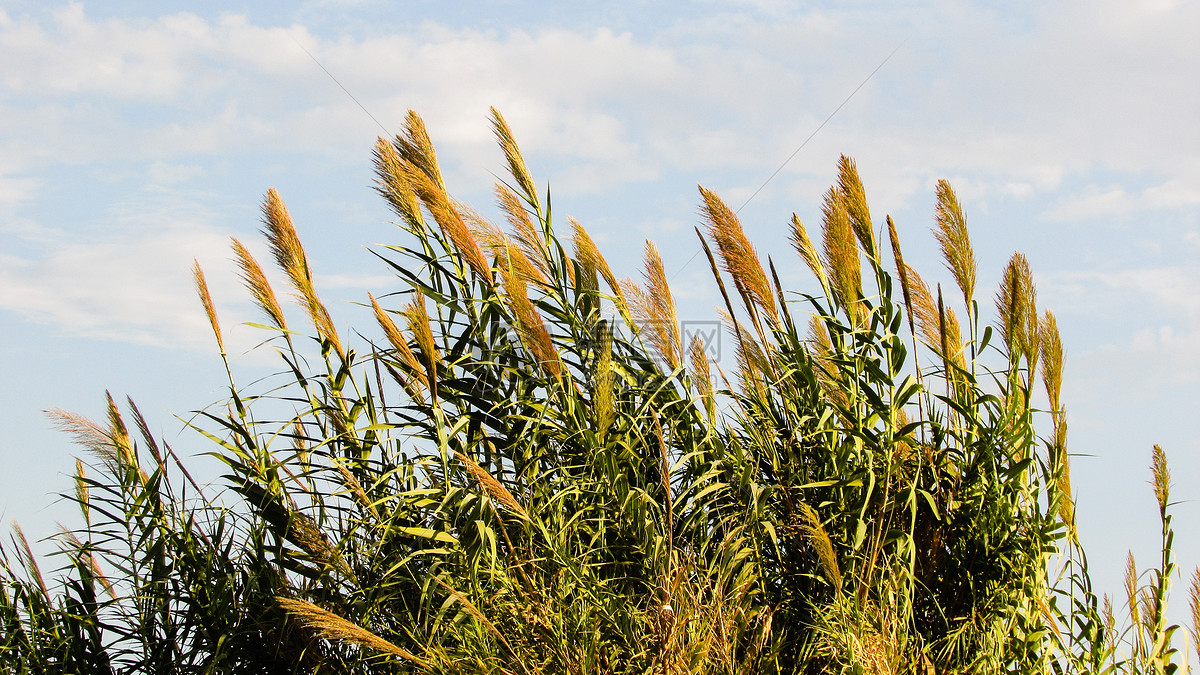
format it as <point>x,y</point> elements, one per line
<point>955,241</point>
<point>738,254</point>
<point>1052,359</point>
<point>661,308</point>
<point>529,322</point>
<point>1162,478</point>
<point>603,393</point>
<point>810,525</point>
<point>333,627</point>
<point>1194,606</point>
<point>290,256</point>
<point>1016,303</point>
<point>851,188</point>
<point>256,282</point>
<point>902,272</point>
<point>449,218</point>
<point>418,378</point>
<point>588,254</point>
<point>808,252</point>
<point>206,300</point>
<point>81,490</point>
<point>493,487</point>
<point>391,183</point>
<point>701,372</point>
<point>415,147</point>
<point>525,232</point>
<point>516,163</point>
<point>841,251</point>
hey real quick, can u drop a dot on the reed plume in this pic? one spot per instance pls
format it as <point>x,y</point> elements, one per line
<point>290,256</point>
<point>808,252</point>
<point>418,377</point>
<point>418,325</point>
<point>1016,302</point>
<point>1194,606</point>
<point>393,186</point>
<point>493,487</point>
<point>333,627</point>
<point>701,371</point>
<point>530,326</point>
<point>841,253</point>
<point>855,198</point>
<point>255,280</point>
<point>812,529</point>
<point>656,308</point>
<point>603,383</point>
<point>902,272</point>
<point>206,300</point>
<point>955,241</point>
<point>739,257</point>
<point>589,256</point>
<point>512,154</point>
<point>450,221</point>
<point>938,324</point>
<point>416,149</point>
<point>524,231</point>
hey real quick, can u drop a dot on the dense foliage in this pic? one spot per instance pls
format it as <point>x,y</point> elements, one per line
<point>535,471</point>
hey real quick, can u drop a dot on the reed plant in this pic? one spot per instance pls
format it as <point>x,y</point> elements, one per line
<point>531,471</point>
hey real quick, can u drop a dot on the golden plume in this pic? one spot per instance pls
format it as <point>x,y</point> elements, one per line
<point>418,377</point>
<point>938,325</point>
<point>1016,303</point>
<point>1052,359</point>
<point>812,529</point>
<point>81,491</point>
<point>418,326</point>
<point>589,256</point>
<point>333,627</point>
<point>529,322</point>
<point>206,300</point>
<point>739,257</point>
<point>417,150</point>
<point>808,252</point>
<point>448,217</point>
<point>289,255</point>
<point>841,253</point>
<point>493,487</point>
<point>655,307</point>
<point>902,272</point>
<point>516,163</point>
<point>525,232</point>
<point>1162,477</point>
<point>955,241</point>
<point>390,182</point>
<point>701,372</point>
<point>603,394</point>
<point>256,282</point>
<point>1194,606</point>
<point>851,188</point>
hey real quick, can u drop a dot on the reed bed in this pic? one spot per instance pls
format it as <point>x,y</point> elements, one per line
<point>531,472</point>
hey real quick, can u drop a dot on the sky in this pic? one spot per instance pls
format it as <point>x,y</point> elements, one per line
<point>134,141</point>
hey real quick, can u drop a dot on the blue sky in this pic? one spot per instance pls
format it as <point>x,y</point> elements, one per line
<point>132,142</point>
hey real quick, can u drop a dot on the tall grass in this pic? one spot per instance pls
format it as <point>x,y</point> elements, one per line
<point>532,471</point>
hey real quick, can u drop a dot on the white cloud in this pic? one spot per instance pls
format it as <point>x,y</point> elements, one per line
<point>134,287</point>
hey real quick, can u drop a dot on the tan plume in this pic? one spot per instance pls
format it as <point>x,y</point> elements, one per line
<point>739,257</point>
<point>955,241</point>
<point>855,197</point>
<point>290,256</point>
